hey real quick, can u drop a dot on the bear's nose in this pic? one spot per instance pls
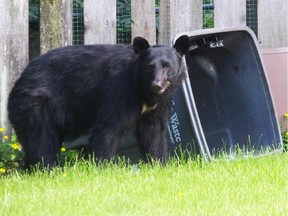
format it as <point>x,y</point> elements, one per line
<point>156,86</point>
<point>159,87</point>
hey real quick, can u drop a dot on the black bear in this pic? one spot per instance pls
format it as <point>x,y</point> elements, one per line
<point>99,90</point>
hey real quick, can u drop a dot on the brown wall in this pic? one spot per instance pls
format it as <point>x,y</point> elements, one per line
<point>276,65</point>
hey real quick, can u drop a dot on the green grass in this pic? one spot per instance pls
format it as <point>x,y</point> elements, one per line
<point>254,186</point>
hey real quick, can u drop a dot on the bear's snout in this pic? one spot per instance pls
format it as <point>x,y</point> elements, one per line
<point>159,87</point>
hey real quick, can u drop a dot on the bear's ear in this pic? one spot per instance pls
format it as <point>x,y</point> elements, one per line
<point>182,45</point>
<point>140,44</point>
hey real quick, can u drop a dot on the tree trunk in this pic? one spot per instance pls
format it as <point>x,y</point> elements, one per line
<point>55,24</point>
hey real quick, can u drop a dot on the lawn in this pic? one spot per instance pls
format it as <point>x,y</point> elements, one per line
<point>244,186</point>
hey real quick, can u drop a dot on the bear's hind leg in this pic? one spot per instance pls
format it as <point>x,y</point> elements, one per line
<point>41,143</point>
<point>42,149</point>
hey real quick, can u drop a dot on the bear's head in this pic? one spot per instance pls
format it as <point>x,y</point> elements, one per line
<point>160,68</point>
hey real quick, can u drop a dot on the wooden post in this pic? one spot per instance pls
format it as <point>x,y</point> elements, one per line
<point>100,21</point>
<point>55,24</point>
<point>13,51</point>
<point>178,16</point>
<point>272,23</point>
<point>229,12</point>
<point>143,21</point>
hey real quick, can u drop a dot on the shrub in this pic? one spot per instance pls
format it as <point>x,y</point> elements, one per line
<point>284,131</point>
<point>11,154</point>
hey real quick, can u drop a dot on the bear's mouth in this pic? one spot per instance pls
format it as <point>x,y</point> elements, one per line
<point>157,89</point>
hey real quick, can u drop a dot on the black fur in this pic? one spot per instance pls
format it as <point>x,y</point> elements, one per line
<point>98,90</point>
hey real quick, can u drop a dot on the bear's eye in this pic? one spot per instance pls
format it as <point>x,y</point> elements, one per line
<point>166,65</point>
<point>150,67</point>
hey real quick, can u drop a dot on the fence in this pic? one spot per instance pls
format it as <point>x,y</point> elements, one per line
<point>111,21</point>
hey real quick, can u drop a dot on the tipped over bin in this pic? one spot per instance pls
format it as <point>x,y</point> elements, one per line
<point>230,92</point>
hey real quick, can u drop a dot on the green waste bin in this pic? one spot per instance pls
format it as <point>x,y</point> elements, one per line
<point>231,93</point>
